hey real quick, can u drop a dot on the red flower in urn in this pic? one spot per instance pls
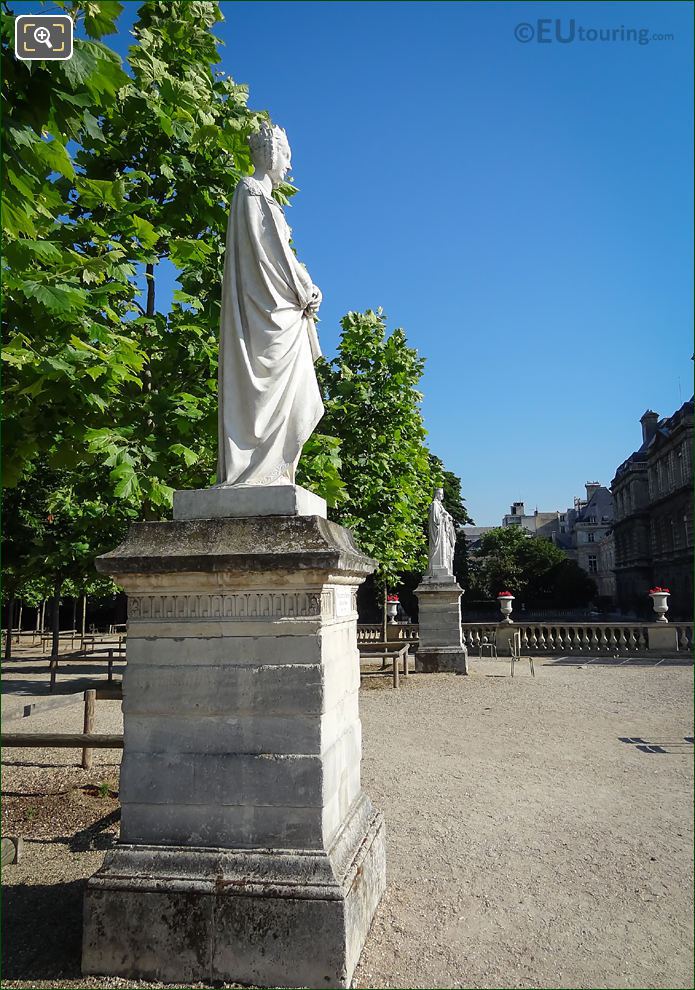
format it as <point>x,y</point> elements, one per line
<point>393,599</point>
<point>659,591</point>
<point>505,594</point>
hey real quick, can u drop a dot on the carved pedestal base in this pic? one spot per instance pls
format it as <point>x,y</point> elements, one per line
<point>440,641</point>
<point>269,917</point>
<point>249,851</point>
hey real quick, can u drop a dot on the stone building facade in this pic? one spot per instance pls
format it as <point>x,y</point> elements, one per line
<point>605,578</point>
<point>654,515</point>
<point>586,536</point>
<point>543,524</point>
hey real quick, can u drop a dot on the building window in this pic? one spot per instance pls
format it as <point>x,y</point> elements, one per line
<point>593,563</point>
<point>590,538</point>
<point>562,518</point>
<point>562,529</point>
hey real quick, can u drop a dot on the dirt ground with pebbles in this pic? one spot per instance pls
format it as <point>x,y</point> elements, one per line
<point>529,845</point>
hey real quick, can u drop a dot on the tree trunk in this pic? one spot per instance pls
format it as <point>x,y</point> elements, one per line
<point>43,616</point>
<point>8,635</point>
<point>386,617</point>
<point>55,625</point>
<point>74,614</point>
<point>150,310</point>
<point>149,275</point>
<point>19,622</point>
<point>55,620</point>
<point>84,614</point>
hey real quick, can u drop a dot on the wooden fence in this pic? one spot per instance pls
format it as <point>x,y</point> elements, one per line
<point>87,741</point>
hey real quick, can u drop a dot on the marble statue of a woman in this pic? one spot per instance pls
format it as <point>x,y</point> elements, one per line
<point>269,400</point>
<point>442,534</point>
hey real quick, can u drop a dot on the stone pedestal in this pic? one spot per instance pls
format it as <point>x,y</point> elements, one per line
<point>440,640</point>
<point>663,638</point>
<point>249,852</point>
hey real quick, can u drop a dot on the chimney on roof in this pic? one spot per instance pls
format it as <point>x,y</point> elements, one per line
<point>591,488</point>
<point>649,421</point>
<point>517,508</point>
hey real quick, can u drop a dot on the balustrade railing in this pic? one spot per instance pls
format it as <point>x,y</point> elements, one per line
<point>684,631</point>
<point>576,638</point>
<point>587,638</point>
<point>397,632</point>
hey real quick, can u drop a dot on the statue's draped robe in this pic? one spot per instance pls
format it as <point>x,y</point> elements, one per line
<point>269,399</point>
<point>442,538</point>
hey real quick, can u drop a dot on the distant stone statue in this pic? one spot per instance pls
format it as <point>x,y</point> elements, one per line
<point>442,534</point>
<point>269,399</point>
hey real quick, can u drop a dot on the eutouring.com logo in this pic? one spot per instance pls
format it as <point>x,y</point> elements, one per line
<point>548,30</point>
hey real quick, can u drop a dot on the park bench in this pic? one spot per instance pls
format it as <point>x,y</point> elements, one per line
<point>397,653</point>
<point>104,641</point>
<point>111,653</point>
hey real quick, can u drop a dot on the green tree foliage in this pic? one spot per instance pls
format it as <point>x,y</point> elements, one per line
<point>564,585</point>
<point>110,403</point>
<point>532,568</point>
<point>498,566</point>
<point>124,385</point>
<point>373,408</point>
<point>64,355</point>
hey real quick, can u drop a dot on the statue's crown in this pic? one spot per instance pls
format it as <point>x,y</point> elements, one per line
<point>266,140</point>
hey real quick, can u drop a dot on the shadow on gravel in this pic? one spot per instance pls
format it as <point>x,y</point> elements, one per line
<point>670,747</point>
<point>42,931</point>
<point>95,836</point>
<point>619,661</point>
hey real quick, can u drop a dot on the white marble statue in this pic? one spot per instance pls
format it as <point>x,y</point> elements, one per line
<point>442,534</point>
<point>269,400</point>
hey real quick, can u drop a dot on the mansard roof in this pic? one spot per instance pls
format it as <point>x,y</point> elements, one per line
<point>664,430</point>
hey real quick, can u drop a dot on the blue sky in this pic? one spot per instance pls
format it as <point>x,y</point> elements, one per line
<point>523,210</point>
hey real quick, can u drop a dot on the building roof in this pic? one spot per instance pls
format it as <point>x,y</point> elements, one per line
<point>601,505</point>
<point>664,428</point>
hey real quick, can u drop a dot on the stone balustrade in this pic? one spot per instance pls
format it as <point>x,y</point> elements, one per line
<point>583,638</point>
<point>684,631</point>
<point>588,638</point>
<point>397,632</point>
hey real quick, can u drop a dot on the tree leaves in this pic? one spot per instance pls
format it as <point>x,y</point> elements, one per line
<point>100,18</point>
<point>58,298</point>
<point>189,456</point>
<point>373,409</point>
<point>127,485</point>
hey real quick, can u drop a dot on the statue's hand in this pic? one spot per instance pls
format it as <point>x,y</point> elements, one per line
<point>316,299</point>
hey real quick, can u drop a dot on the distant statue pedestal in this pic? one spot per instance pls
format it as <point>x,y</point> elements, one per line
<point>249,852</point>
<point>440,640</point>
<point>439,598</point>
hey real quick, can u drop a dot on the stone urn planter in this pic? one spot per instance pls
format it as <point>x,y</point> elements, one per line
<point>392,607</point>
<point>505,598</point>
<point>659,597</point>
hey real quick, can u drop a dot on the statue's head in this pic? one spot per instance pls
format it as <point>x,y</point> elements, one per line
<point>439,494</point>
<point>270,151</point>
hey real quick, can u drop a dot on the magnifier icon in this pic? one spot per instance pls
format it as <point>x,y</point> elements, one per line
<point>43,36</point>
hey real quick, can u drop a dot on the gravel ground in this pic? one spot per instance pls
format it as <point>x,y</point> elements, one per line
<point>528,844</point>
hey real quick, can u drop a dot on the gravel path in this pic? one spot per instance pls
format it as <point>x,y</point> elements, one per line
<point>528,846</point>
